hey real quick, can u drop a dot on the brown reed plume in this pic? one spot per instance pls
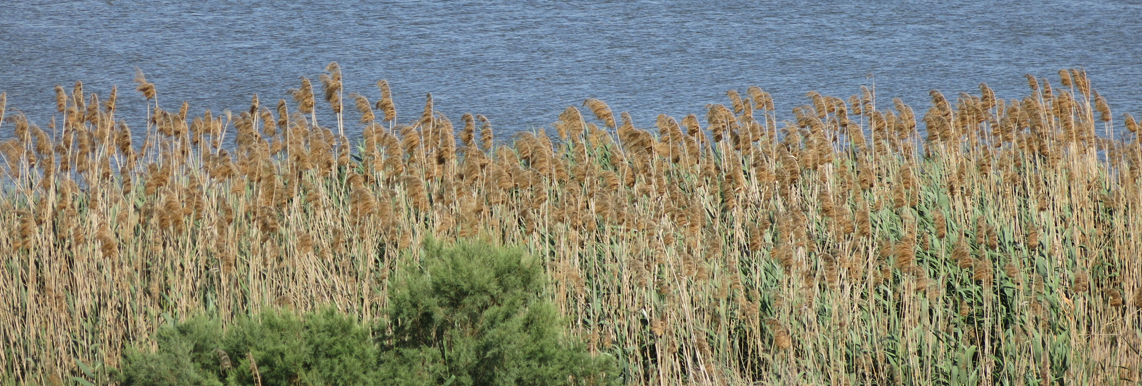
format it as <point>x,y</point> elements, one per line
<point>303,96</point>
<point>361,103</point>
<point>601,111</point>
<point>145,87</point>
<point>385,104</point>
<point>331,86</point>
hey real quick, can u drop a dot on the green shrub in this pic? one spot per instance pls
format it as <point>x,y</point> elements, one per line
<point>468,315</point>
<point>321,348</point>
<point>475,315</point>
<point>180,358</point>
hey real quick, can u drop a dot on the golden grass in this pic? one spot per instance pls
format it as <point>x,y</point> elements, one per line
<point>839,248</point>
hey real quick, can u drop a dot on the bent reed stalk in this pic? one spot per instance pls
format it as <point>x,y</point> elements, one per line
<point>841,247</point>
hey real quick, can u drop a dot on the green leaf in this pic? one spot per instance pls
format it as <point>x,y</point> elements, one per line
<point>87,370</point>
<point>82,381</point>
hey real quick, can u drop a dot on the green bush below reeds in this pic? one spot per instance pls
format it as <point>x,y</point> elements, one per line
<point>467,315</point>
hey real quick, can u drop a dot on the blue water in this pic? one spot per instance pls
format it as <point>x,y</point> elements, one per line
<point>521,63</point>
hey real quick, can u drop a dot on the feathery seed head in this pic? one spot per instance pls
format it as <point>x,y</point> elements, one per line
<point>1032,82</point>
<point>601,111</point>
<point>1065,78</point>
<point>145,87</point>
<point>486,138</point>
<point>364,107</point>
<point>303,96</point>
<point>736,101</point>
<point>1114,297</point>
<point>109,245</point>
<point>1081,282</point>
<point>61,99</point>
<point>1102,107</point>
<point>693,129</point>
<point>983,271</point>
<point>385,104</point>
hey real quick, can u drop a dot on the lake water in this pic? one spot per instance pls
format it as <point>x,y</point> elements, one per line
<point>521,63</point>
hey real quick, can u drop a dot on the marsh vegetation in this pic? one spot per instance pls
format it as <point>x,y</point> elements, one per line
<point>856,242</point>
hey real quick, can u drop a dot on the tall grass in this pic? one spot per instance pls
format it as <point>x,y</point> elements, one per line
<point>840,247</point>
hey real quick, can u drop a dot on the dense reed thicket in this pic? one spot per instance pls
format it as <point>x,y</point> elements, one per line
<point>840,247</point>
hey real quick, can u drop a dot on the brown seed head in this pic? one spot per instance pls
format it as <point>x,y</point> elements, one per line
<point>755,238</point>
<point>1102,107</point>
<point>468,133</point>
<point>303,96</point>
<point>27,229</point>
<point>417,195</point>
<point>601,111</point>
<point>362,201</point>
<point>982,271</point>
<point>145,87</point>
<point>570,124</point>
<point>429,109</point>
<point>43,143</point>
<point>820,108</point>
<point>758,96</point>
<point>1114,297</point>
<point>486,138</point>
<point>781,339</point>
<point>1081,282</point>
<point>962,255</point>
<point>987,96</point>
<point>385,104</point>
<point>905,253</point>
<point>1081,81</point>
<point>940,223</point>
<point>736,101</point>
<point>1065,78</point>
<point>1032,82</point>
<point>61,99</point>
<point>331,86</point>
<point>1031,236</point>
<point>690,122</point>
<point>269,124</point>
<point>109,106</point>
<point>109,244</point>
<point>992,238</point>
<point>783,253</point>
<point>361,103</point>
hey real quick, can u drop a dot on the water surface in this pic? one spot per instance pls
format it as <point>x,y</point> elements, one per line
<point>521,63</point>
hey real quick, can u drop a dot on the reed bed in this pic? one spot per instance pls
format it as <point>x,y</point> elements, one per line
<point>841,247</point>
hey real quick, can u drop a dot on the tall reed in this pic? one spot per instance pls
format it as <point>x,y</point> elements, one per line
<point>841,247</point>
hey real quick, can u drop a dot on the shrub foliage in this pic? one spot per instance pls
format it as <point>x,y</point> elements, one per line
<point>475,315</point>
<point>468,315</point>
<point>276,348</point>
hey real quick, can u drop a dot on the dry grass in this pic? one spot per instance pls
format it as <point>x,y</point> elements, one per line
<point>838,248</point>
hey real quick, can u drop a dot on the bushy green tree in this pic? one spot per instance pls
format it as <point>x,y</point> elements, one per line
<point>474,314</point>
<point>180,358</point>
<point>277,348</point>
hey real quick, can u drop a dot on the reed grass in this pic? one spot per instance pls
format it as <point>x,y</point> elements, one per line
<point>841,247</point>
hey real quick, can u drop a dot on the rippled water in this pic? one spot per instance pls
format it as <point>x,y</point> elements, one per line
<point>521,63</point>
